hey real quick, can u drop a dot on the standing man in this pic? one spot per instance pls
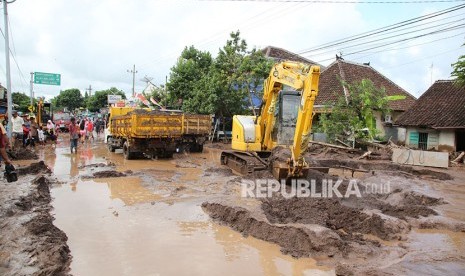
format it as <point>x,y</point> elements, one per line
<point>73,135</point>
<point>17,128</point>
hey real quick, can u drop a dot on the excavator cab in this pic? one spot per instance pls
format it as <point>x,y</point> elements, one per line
<point>287,109</point>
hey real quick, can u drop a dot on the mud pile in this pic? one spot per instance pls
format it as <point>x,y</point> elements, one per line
<point>34,168</point>
<point>342,228</point>
<point>30,244</point>
<point>22,154</point>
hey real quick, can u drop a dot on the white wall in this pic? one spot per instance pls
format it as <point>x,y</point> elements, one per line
<point>447,140</point>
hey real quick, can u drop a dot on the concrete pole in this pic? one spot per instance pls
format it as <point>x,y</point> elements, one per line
<point>133,71</point>
<point>8,76</point>
<point>32,89</point>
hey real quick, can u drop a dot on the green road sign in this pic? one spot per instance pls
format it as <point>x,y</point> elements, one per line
<point>47,78</point>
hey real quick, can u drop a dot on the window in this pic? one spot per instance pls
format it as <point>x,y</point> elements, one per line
<point>423,141</point>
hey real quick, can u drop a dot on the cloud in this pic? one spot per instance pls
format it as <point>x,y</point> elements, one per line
<point>95,42</point>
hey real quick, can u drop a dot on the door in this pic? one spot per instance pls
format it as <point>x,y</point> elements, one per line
<point>460,140</point>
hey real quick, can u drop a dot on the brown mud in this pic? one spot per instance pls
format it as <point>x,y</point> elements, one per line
<point>107,174</point>
<point>30,244</point>
<point>342,229</point>
<point>283,154</point>
<point>21,153</point>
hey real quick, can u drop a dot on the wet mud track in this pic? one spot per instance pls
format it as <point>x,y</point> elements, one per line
<point>30,244</point>
<point>186,216</point>
<point>381,229</point>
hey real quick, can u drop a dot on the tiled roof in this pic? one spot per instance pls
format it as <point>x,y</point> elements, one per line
<point>279,54</point>
<point>330,88</point>
<point>441,106</point>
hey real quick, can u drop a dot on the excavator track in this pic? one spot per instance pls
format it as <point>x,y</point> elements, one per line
<point>246,162</point>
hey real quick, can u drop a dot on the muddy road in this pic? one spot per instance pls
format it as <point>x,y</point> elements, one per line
<point>186,216</point>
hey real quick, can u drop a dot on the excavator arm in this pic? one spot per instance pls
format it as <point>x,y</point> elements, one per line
<point>304,121</point>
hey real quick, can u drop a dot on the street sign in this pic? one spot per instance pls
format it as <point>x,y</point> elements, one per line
<point>114,98</point>
<point>31,108</point>
<point>47,78</point>
<point>120,104</point>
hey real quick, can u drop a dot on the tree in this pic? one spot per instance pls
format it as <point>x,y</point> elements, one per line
<point>22,100</point>
<point>159,94</point>
<point>190,68</point>
<point>70,98</point>
<point>459,70</point>
<point>225,89</point>
<point>254,69</point>
<point>349,117</point>
<point>100,98</point>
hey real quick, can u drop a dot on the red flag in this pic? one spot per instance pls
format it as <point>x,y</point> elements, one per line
<point>142,98</point>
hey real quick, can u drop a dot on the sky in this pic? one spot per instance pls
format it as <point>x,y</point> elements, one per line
<point>95,42</point>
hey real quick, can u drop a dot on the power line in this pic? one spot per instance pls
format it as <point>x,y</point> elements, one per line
<point>409,46</point>
<point>14,55</point>
<point>456,27</point>
<point>394,36</point>
<point>382,29</point>
<point>427,57</point>
<point>14,58</point>
<point>341,1</point>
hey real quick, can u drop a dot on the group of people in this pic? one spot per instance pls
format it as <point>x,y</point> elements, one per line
<point>26,131</point>
<point>83,130</point>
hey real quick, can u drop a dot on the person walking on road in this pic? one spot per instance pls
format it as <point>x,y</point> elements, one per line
<point>90,130</point>
<point>82,130</point>
<point>73,135</point>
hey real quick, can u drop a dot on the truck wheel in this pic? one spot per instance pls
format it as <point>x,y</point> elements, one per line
<point>196,148</point>
<point>128,155</point>
<point>111,148</point>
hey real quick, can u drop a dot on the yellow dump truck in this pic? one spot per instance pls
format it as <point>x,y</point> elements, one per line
<point>156,133</point>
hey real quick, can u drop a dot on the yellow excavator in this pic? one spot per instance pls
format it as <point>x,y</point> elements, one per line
<point>44,112</point>
<point>285,119</point>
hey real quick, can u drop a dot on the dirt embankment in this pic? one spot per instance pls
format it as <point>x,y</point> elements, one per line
<point>30,244</point>
<point>22,154</point>
<point>345,229</point>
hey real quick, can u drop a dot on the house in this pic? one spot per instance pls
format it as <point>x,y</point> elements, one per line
<point>437,119</point>
<point>331,89</point>
<point>279,54</point>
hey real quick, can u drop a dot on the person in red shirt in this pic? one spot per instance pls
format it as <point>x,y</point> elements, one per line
<point>90,130</point>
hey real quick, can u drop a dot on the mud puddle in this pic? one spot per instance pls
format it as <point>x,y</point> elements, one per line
<point>434,252</point>
<point>152,223</point>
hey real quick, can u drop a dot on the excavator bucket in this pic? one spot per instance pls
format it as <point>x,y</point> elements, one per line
<point>283,170</point>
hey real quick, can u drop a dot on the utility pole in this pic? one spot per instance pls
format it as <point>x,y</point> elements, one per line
<point>133,71</point>
<point>31,95</point>
<point>90,90</point>
<point>7,60</point>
